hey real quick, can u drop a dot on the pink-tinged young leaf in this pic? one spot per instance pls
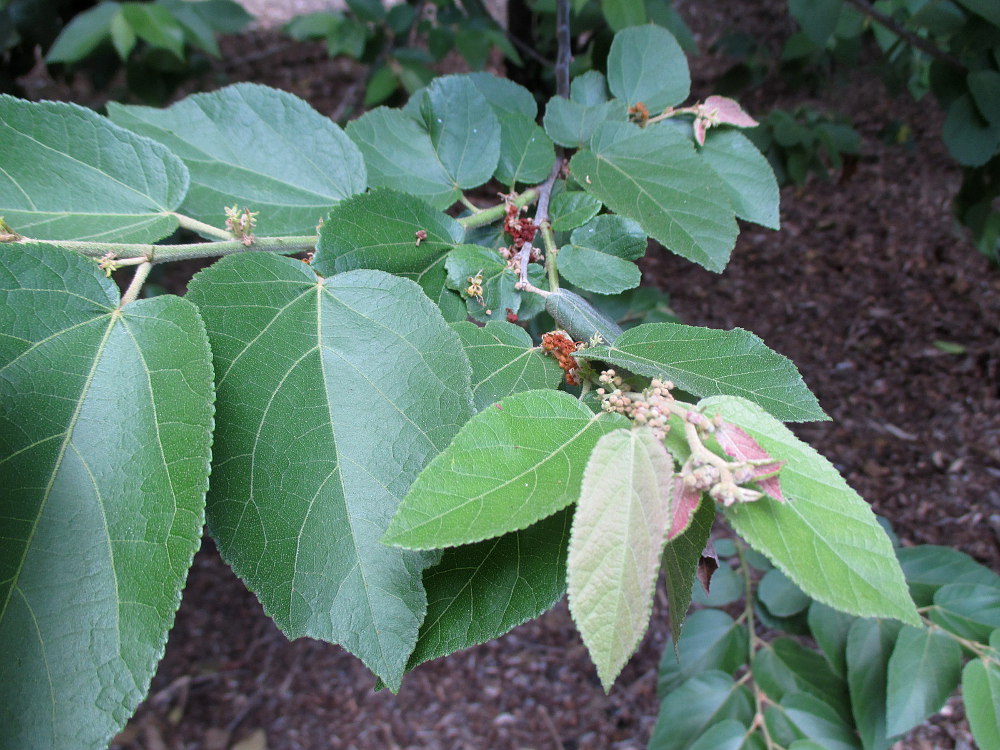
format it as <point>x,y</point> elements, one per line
<point>701,126</point>
<point>723,110</point>
<point>738,444</point>
<point>685,504</point>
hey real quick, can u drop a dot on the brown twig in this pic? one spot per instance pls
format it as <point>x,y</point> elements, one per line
<point>564,54</point>
<point>901,31</point>
<point>541,216</point>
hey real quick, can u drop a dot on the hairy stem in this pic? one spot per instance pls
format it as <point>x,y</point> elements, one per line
<point>138,279</point>
<point>551,251</point>
<point>753,643</point>
<point>541,221</point>
<point>202,228</point>
<point>495,213</point>
<point>980,650</point>
<point>128,254</point>
<point>469,204</point>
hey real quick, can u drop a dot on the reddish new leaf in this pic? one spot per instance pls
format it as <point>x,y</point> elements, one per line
<point>685,504</point>
<point>739,445</point>
<point>725,111</point>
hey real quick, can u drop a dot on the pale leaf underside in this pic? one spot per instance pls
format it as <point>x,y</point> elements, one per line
<point>618,534</point>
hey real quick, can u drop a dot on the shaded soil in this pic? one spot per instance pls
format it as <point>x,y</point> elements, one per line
<point>864,281</point>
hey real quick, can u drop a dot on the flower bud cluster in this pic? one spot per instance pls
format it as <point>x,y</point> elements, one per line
<point>107,263</point>
<point>650,407</point>
<point>513,257</point>
<point>721,482</point>
<point>241,223</point>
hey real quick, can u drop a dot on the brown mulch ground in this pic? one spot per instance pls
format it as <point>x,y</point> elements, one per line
<point>865,276</point>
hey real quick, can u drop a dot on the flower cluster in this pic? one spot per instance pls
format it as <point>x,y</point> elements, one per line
<point>521,228</point>
<point>107,263</point>
<point>562,347</point>
<point>650,407</point>
<point>241,223</point>
<point>513,257</point>
<point>705,471</point>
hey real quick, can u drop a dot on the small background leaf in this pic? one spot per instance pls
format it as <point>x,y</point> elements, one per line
<point>711,640</point>
<point>928,567</point>
<point>600,254</point>
<point>981,691</point>
<point>869,646</point>
<point>704,700</point>
<point>970,610</point>
<point>830,627</point>
<point>781,597</point>
<point>570,209</point>
<point>924,669</point>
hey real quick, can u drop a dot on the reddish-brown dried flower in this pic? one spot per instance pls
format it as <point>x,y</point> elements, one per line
<point>562,347</point>
<point>639,114</point>
<point>521,228</point>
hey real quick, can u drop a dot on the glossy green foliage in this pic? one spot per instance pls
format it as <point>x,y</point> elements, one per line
<point>105,435</point>
<point>70,174</point>
<point>389,475</point>
<point>320,435</point>
<point>264,157</point>
<point>620,527</point>
<point>868,682</point>
<point>708,362</point>
<point>170,25</point>
<point>511,465</point>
